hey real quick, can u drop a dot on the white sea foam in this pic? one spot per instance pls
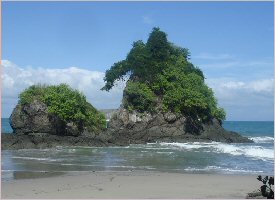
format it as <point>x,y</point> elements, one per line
<point>76,164</point>
<point>165,152</point>
<point>264,139</point>
<point>39,159</point>
<point>71,150</point>
<point>84,165</point>
<point>218,168</point>
<point>256,152</point>
<point>121,166</point>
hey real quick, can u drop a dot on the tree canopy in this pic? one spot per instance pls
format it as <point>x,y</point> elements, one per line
<point>67,104</point>
<point>161,73</point>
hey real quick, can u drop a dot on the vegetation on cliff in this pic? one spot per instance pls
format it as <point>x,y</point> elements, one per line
<point>67,104</point>
<point>163,78</point>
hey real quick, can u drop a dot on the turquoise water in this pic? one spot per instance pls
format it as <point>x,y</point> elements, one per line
<point>5,126</point>
<point>246,128</point>
<point>195,157</point>
<point>251,128</point>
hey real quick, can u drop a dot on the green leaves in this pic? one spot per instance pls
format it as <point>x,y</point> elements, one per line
<point>139,96</point>
<point>117,71</point>
<point>186,94</point>
<point>160,70</point>
<point>31,93</point>
<point>158,45</point>
<point>68,104</point>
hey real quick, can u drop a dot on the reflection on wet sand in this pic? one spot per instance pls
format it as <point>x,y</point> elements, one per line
<point>28,174</point>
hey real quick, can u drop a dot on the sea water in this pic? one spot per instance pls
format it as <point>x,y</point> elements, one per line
<point>5,126</point>
<point>190,157</point>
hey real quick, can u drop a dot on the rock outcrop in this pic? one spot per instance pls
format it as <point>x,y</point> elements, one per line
<point>34,127</point>
<point>161,78</point>
<point>136,127</point>
<point>45,140</point>
<point>34,118</point>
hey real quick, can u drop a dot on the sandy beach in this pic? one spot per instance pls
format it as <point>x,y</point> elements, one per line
<point>132,184</point>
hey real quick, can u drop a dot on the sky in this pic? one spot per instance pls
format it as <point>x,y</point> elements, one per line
<point>76,42</point>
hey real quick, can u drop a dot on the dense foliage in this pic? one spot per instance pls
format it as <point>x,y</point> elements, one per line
<point>140,96</point>
<point>68,104</point>
<point>160,73</point>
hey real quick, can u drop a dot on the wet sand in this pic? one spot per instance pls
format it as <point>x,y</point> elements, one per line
<point>132,184</point>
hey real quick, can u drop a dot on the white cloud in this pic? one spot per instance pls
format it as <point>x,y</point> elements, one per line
<point>233,85</point>
<point>264,85</point>
<point>15,79</point>
<point>147,20</point>
<point>257,86</point>
<point>245,100</point>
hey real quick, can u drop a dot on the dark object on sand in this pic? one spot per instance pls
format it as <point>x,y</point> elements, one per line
<point>266,189</point>
<point>255,195</point>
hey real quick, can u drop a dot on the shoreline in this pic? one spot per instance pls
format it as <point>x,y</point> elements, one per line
<point>132,184</point>
<point>11,141</point>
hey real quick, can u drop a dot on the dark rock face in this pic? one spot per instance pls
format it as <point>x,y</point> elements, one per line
<point>214,131</point>
<point>31,118</point>
<point>45,140</point>
<point>34,118</point>
<point>34,127</point>
<point>135,127</point>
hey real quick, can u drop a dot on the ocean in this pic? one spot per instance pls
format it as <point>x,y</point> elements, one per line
<point>191,157</point>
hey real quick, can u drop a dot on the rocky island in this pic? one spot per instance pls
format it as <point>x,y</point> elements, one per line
<point>49,116</point>
<point>165,99</point>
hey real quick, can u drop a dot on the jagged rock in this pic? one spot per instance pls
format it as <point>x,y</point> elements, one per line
<point>34,118</point>
<point>31,118</point>
<point>71,129</point>
<point>129,126</point>
<point>34,127</point>
<point>170,117</point>
<point>46,140</point>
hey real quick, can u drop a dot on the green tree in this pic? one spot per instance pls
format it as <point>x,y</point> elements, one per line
<point>139,96</point>
<point>161,72</point>
<point>67,104</point>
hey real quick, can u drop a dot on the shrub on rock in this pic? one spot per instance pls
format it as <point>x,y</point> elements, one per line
<point>162,76</point>
<point>56,109</point>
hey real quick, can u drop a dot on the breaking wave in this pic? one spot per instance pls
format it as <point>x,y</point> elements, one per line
<point>222,169</point>
<point>252,151</point>
<point>264,139</point>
